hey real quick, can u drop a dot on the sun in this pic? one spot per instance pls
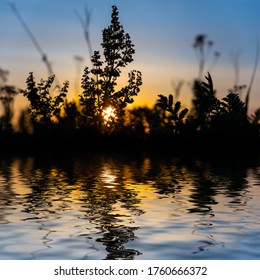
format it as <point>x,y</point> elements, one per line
<point>109,115</point>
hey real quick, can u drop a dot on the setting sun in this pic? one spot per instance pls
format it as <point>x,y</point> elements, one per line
<point>109,114</point>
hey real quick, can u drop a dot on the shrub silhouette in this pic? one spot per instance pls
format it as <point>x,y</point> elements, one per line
<point>101,117</point>
<point>141,121</point>
<point>223,120</point>
<point>205,104</point>
<point>44,109</point>
<point>69,120</point>
<point>230,120</point>
<point>212,121</point>
<point>255,122</point>
<point>171,115</point>
<point>7,94</point>
<point>99,83</point>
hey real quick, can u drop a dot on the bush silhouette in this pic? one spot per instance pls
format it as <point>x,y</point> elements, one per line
<point>171,115</point>
<point>98,84</point>
<point>7,95</point>
<point>102,119</point>
<point>44,109</point>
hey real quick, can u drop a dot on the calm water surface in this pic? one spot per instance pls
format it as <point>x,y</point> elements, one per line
<point>121,207</point>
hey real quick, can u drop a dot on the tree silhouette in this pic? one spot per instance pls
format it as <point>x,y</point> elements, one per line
<point>99,83</point>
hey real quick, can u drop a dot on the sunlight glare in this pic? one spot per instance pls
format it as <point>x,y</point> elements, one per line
<point>108,178</point>
<point>109,114</point>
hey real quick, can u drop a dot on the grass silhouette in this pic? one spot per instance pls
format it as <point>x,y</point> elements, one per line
<point>101,120</point>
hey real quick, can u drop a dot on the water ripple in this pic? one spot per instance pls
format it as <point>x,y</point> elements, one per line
<point>141,208</point>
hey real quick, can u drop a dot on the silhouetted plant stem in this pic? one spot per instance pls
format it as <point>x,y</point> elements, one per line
<point>235,60</point>
<point>85,25</point>
<point>252,76</point>
<point>203,48</point>
<point>177,88</point>
<point>34,41</point>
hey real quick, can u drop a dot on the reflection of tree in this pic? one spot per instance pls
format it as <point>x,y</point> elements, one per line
<point>7,194</point>
<point>165,174</point>
<point>235,175</point>
<point>115,239</point>
<point>104,200</point>
<point>204,191</point>
<point>99,198</point>
<point>201,181</point>
<point>213,177</point>
<point>45,183</point>
<point>108,203</point>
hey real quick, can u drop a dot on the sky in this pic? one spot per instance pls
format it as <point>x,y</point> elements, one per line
<point>163,33</point>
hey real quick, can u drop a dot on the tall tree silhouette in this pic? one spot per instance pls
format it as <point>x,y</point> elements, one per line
<point>102,104</point>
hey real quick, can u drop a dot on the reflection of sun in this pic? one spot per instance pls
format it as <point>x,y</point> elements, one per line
<point>108,178</point>
<point>109,114</point>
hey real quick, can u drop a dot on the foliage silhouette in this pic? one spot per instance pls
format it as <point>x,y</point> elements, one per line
<point>255,118</point>
<point>102,118</point>
<point>7,95</point>
<point>69,120</point>
<point>232,121</point>
<point>205,103</point>
<point>211,123</point>
<point>44,108</point>
<point>171,115</point>
<point>224,122</point>
<point>233,108</point>
<point>99,83</point>
<point>138,121</point>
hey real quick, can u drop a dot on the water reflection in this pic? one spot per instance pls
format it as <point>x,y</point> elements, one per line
<point>118,207</point>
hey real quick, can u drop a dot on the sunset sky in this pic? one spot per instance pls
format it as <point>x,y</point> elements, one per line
<point>162,31</point>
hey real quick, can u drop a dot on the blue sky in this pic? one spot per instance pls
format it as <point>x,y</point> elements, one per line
<point>162,31</point>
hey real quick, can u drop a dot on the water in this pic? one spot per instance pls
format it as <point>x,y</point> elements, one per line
<point>122,207</point>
